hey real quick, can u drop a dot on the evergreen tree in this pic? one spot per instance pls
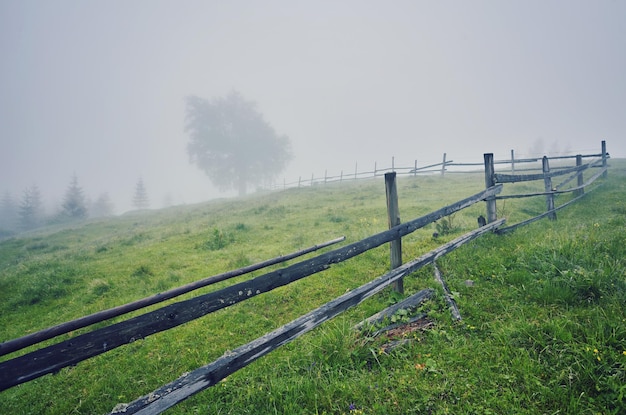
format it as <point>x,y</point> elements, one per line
<point>74,206</point>
<point>140,199</point>
<point>168,200</point>
<point>8,213</point>
<point>102,206</point>
<point>31,209</point>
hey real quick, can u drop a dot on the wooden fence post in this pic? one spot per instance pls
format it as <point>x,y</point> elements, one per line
<point>443,165</point>
<point>547,180</point>
<point>356,166</point>
<point>415,169</point>
<point>512,162</point>
<point>490,181</point>
<point>393,214</point>
<point>604,158</point>
<point>579,162</point>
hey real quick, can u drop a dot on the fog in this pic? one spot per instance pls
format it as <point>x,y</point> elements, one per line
<point>97,88</point>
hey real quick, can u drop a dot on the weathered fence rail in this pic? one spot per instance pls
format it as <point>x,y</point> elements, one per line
<point>51,332</point>
<point>52,358</point>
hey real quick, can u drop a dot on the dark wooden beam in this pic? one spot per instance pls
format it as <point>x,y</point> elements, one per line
<point>34,338</point>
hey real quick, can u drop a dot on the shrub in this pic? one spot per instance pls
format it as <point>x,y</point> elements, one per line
<point>446,225</point>
<point>218,240</point>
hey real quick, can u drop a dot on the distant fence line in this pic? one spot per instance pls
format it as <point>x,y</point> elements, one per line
<point>445,166</point>
<point>52,358</point>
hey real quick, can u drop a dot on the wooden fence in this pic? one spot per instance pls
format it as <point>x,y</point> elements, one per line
<point>446,166</point>
<point>550,189</point>
<point>375,172</point>
<point>51,359</point>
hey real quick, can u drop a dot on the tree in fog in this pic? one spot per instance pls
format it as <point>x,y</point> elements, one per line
<point>74,206</point>
<point>168,200</point>
<point>231,142</point>
<point>8,213</point>
<point>102,207</point>
<point>140,198</point>
<point>30,211</point>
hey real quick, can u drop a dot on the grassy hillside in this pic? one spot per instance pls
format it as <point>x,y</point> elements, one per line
<point>543,330</point>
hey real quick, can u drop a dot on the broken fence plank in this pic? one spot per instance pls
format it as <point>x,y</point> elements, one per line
<point>395,326</point>
<point>447,295</point>
<point>409,303</point>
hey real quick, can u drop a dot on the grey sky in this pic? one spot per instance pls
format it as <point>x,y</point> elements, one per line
<point>96,88</point>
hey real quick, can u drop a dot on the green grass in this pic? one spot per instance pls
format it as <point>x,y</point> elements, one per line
<point>543,330</point>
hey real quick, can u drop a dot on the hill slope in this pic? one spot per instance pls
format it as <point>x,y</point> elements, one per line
<point>543,328</point>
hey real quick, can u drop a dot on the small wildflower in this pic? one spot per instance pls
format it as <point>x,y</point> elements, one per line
<point>624,352</point>
<point>595,351</point>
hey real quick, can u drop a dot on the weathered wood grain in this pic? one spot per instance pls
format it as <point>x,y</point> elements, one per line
<point>393,219</point>
<point>454,309</point>
<point>490,181</point>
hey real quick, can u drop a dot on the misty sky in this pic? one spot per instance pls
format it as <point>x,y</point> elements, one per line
<point>97,88</point>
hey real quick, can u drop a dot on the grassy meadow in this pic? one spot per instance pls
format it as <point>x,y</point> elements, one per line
<point>543,329</point>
